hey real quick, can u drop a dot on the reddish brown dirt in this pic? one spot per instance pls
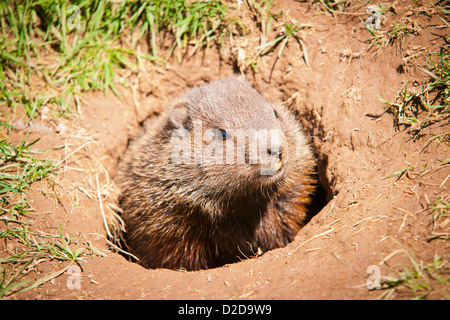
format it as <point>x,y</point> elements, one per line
<point>367,220</point>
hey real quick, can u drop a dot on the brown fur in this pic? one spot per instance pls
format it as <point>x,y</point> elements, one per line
<point>197,216</point>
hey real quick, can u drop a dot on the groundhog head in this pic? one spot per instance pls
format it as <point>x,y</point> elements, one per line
<point>231,135</point>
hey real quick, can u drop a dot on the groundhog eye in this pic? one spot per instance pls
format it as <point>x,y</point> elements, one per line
<point>222,134</point>
<point>275,113</point>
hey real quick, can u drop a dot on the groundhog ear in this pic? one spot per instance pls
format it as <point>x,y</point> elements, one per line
<point>178,114</point>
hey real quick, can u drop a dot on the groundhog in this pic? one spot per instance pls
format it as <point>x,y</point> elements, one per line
<point>223,175</point>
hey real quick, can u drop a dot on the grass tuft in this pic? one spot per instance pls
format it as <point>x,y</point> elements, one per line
<point>69,48</point>
<point>419,279</point>
<point>332,5</point>
<point>430,105</point>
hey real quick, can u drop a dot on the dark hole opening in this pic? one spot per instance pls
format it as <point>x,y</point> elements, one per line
<point>322,195</point>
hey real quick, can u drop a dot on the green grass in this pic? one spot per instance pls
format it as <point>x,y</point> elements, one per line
<point>35,248</point>
<point>424,111</point>
<point>399,174</point>
<point>415,110</point>
<point>419,279</point>
<point>332,5</point>
<point>264,17</point>
<point>19,168</point>
<point>440,211</point>
<point>68,52</point>
<point>291,30</point>
<point>395,34</point>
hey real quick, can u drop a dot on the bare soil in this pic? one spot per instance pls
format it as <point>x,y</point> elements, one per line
<point>366,221</point>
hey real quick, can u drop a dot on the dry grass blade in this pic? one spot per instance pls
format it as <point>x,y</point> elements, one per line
<point>310,239</point>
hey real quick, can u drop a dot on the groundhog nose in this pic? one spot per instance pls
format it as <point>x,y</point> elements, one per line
<point>275,151</point>
<point>277,145</point>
